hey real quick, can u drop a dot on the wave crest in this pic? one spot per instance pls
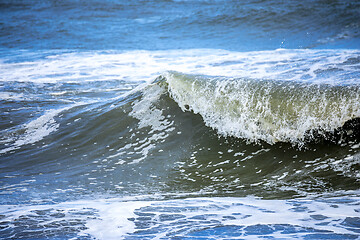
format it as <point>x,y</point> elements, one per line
<point>268,110</point>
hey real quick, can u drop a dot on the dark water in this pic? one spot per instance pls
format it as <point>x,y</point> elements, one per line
<point>179,119</point>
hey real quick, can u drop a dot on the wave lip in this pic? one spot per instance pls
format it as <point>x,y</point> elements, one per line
<point>268,110</point>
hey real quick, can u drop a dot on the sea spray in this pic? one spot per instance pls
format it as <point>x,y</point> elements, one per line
<point>268,110</point>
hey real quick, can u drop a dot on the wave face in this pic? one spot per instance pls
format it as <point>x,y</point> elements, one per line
<point>199,143</point>
<point>266,110</point>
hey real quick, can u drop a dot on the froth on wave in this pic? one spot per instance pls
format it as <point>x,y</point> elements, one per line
<point>268,110</point>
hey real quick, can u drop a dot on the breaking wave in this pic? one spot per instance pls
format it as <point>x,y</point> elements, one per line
<point>268,110</point>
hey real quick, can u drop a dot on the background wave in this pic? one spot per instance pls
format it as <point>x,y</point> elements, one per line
<point>152,25</point>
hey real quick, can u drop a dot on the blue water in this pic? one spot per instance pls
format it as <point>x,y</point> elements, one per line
<point>179,119</point>
<point>154,25</point>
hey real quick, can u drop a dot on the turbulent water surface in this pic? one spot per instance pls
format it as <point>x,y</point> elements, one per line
<point>179,119</point>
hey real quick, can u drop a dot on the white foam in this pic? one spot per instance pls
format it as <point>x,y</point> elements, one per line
<point>146,112</point>
<point>149,116</point>
<point>12,96</point>
<point>121,218</point>
<point>143,66</point>
<point>113,221</point>
<point>37,129</point>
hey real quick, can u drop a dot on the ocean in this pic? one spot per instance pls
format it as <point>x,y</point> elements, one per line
<point>179,119</point>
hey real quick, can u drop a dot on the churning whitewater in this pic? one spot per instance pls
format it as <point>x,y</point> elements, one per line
<point>268,110</point>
